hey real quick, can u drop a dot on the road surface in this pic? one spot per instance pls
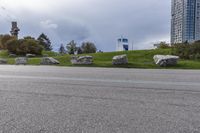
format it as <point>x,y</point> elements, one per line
<point>44,99</point>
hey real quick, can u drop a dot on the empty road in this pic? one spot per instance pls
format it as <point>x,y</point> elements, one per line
<point>45,99</point>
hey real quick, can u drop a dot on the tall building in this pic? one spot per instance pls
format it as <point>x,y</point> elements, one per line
<point>122,44</point>
<point>185,22</point>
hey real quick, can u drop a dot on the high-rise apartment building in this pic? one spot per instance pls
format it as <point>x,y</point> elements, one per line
<point>185,23</point>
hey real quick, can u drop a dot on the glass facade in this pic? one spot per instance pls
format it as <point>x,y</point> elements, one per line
<point>185,24</point>
<point>197,17</point>
<point>189,22</point>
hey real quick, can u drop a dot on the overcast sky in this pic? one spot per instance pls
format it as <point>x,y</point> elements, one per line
<point>143,22</point>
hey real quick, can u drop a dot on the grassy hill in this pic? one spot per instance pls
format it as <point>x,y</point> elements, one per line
<point>137,59</point>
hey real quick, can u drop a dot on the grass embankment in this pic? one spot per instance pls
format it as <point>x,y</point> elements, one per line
<point>137,59</point>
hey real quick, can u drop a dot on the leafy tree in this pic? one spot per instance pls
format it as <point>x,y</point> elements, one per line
<point>24,46</point>
<point>4,39</point>
<point>182,50</point>
<point>62,49</point>
<point>79,50</point>
<point>29,37</point>
<point>12,45</point>
<point>187,50</point>
<point>162,45</point>
<point>0,41</point>
<point>45,42</point>
<point>32,46</point>
<point>195,47</point>
<point>88,47</point>
<point>71,47</point>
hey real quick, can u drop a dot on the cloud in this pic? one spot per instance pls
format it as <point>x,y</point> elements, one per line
<point>3,8</point>
<point>99,21</point>
<point>47,24</point>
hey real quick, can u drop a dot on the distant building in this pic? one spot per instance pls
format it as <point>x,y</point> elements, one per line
<point>14,29</point>
<point>185,22</point>
<point>122,44</point>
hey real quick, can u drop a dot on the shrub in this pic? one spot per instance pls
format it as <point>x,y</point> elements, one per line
<point>4,39</point>
<point>24,46</point>
<point>197,56</point>
<point>12,45</point>
<point>162,45</point>
<point>186,50</point>
<point>88,47</point>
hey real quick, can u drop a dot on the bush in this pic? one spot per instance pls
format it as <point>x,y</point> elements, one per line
<point>197,56</point>
<point>88,47</point>
<point>186,50</point>
<point>3,53</point>
<point>195,47</point>
<point>162,45</point>
<point>24,46</point>
<point>4,39</point>
<point>12,45</point>
<point>31,46</point>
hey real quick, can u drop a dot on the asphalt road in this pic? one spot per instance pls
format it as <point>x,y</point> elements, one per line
<point>47,99</point>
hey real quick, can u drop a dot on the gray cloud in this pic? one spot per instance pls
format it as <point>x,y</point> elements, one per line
<point>47,24</point>
<point>100,21</point>
<point>72,30</point>
<point>3,8</point>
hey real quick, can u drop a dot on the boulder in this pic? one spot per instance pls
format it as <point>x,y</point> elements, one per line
<point>12,55</point>
<point>3,61</point>
<point>120,60</point>
<point>30,55</point>
<point>49,61</point>
<point>82,60</point>
<point>165,60</point>
<point>21,61</point>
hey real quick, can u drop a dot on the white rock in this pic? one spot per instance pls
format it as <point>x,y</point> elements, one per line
<point>21,61</point>
<point>120,60</point>
<point>49,61</point>
<point>30,55</point>
<point>3,61</point>
<point>165,60</point>
<point>12,55</point>
<point>82,60</point>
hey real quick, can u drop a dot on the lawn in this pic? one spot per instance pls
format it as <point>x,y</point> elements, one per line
<point>136,58</point>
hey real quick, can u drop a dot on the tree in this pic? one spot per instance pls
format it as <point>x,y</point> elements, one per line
<point>12,45</point>
<point>1,36</point>
<point>62,49</point>
<point>88,47</point>
<point>32,47</point>
<point>29,37</point>
<point>45,42</point>
<point>4,39</point>
<point>162,45</point>
<point>79,50</point>
<point>24,46</point>
<point>71,47</point>
<point>187,50</point>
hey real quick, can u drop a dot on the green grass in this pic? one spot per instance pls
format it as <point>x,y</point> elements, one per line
<point>3,54</point>
<point>50,53</point>
<point>137,59</point>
